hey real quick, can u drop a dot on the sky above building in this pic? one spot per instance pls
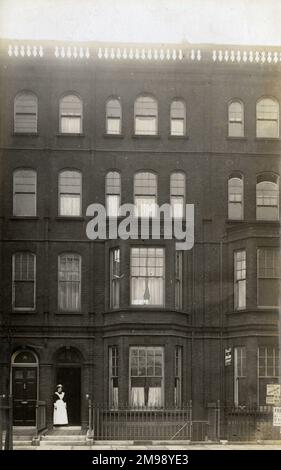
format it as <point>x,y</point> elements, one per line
<point>154,21</point>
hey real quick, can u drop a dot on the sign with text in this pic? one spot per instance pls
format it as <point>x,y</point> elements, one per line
<point>227,357</point>
<point>277,416</point>
<point>273,394</point>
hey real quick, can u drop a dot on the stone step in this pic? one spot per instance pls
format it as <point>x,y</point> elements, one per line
<point>69,443</point>
<point>52,437</point>
<point>17,443</point>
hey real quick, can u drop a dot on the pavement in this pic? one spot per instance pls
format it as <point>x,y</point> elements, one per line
<point>168,447</point>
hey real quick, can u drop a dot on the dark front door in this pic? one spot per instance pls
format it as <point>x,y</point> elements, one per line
<point>70,378</point>
<point>25,395</point>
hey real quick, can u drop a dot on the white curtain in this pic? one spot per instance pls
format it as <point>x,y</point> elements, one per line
<point>137,397</point>
<point>154,397</point>
<point>147,291</point>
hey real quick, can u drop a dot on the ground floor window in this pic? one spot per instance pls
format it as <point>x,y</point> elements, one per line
<point>113,377</point>
<point>268,370</point>
<point>240,386</point>
<point>146,377</point>
<point>178,376</point>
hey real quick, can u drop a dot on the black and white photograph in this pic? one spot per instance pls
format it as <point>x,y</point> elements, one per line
<point>140,262</point>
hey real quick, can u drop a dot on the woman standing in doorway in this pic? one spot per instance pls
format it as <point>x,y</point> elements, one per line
<point>60,413</point>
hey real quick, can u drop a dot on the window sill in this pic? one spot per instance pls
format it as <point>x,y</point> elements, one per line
<point>77,218</point>
<point>178,137</point>
<point>67,312</point>
<point>236,138</point>
<point>267,139</point>
<point>25,134</point>
<point>145,136</point>
<point>24,217</point>
<point>66,134</point>
<point>113,136</point>
<point>257,310</point>
<point>24,311</point>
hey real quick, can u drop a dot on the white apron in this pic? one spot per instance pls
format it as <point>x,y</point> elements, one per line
<point>60,413</point>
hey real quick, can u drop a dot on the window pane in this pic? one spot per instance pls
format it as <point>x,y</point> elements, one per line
<point>25,113</point>
<point>235,198</point>
<point>147,276</point>
<point>113,125</point>
<point>24,280</point>
<point>146,116</point>
<point>70,187</point>
<point>71,115</point>
<point>69,282</point>
<point>71,125</point>
<point>269,274</point>
<point>113,116</point>
<point>24,193</point>
<point>267,118</point>
<point>146,377</point>
<point>240,279</point>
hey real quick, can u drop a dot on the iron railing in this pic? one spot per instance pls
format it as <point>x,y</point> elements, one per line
<point>40,416</point>
<point>135,424</point>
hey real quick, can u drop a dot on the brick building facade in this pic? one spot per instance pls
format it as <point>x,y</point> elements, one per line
<point>134,321</point>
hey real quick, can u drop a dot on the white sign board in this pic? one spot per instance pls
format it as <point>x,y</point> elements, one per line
<point>277,416</point>
<point>227,357</point>
<point>272,400</point>
<point>273,390</point>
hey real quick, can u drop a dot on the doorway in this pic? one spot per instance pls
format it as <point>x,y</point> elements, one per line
<point>70,378</point>
<point>24,388</point>
<point>68,373</point>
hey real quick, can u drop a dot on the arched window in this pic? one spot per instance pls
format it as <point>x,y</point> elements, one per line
<point>69,282</point>
<point>24,193</point>
<point>145,192</point>
<point>70,192</point>
<point>24,281</point>
<point>25,113</point>
<point>178,118</point>
<point>113,116</point>
<point>236,119</point>
<point>146,116</point>
<point>71,108</point>
<point>267,118</point>
<point>267,197</point>
<point>235,197</point>
<point>113,193</point>
<point>23,357</point>
<point>177,194</point>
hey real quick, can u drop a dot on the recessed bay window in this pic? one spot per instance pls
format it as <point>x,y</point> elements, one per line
<point>113,376</point>
<point>147,276</point>
<point>269,276</point>
<point>115,278</point>
<point>240,280</point>
<point>146,377</point>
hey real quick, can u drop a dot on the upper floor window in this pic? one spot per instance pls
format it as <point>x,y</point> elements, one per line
<point>70,190</point>
<point>145,191</point>
<point>235,197</point>
<point>267,197</point>
<point>71,109</point>
<point>25,113</point>
<point>24,281</point>
<point>146,116</point>
<point>69,282</point>
<point>24,193</point>
<point>236,119</point>
<point>177,194</point>
<point>178,118</point>
<point>269,276</point>
<point>113,116</point>
<point>147,276</point>
<point>113,193</point>
<point>115,276</point>
<point>240,280</point>
<point>178,279</point>
<point>267,118</point>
